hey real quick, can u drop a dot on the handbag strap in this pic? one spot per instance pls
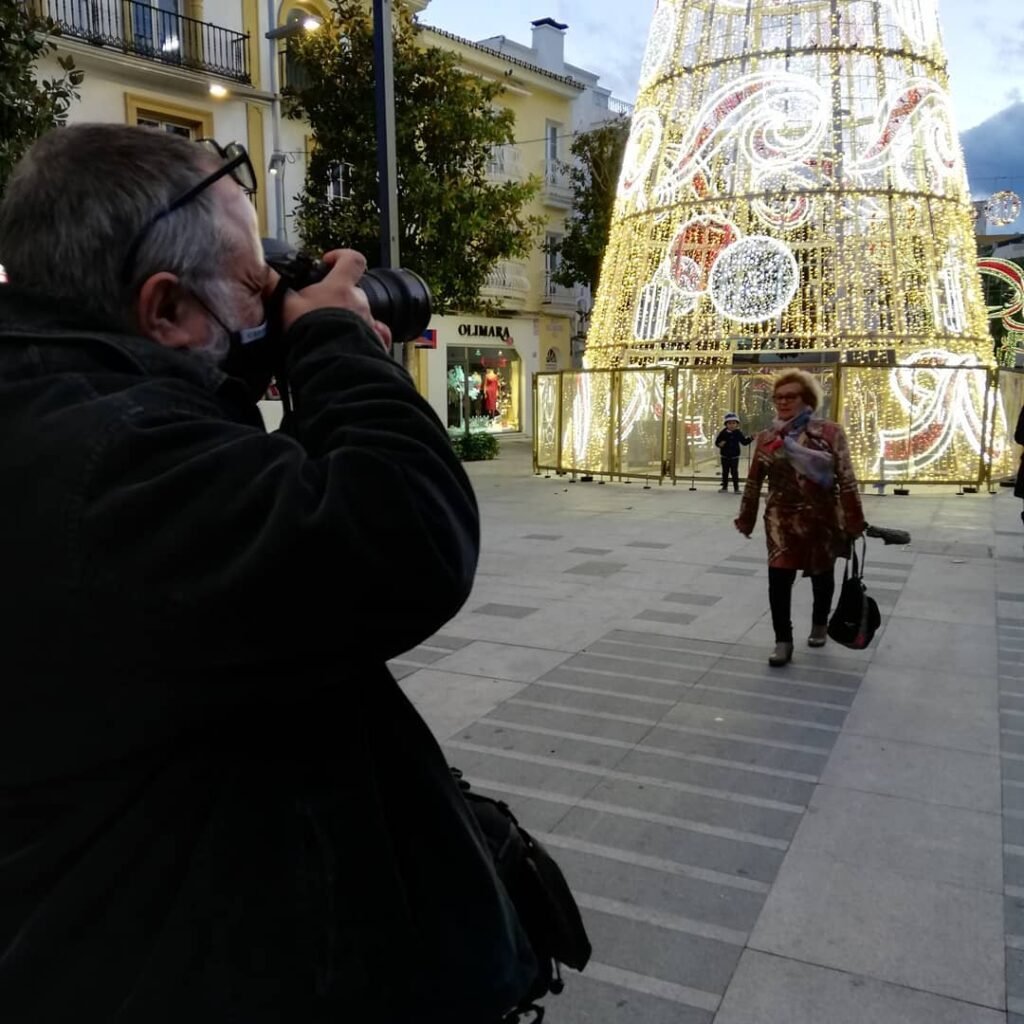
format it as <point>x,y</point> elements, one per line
<point>858,563</point>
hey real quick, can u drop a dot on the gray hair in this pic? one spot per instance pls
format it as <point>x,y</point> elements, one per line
<point>79,197</point>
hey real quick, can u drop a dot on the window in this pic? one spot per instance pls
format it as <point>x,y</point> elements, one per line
<point>552,144</point>
<point>483,388</point>
<point>552,261</point>
<point>157,28</point>
<point>173,118</point>
<point>186,131</point>
<point>339,180</point>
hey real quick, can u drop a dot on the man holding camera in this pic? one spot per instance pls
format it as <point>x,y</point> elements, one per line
<point>215,803</point>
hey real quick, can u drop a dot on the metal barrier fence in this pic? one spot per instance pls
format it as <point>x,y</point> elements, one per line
<point>906,424</point>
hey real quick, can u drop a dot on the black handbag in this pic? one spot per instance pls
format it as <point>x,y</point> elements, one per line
<point>539,893</point>
<point>856,618</point>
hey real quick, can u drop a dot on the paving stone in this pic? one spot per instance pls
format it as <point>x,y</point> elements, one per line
<point>915,772</point>
<point>590,551</point>
<point>739,752</point>
<point>695,961</point>
<point>676,618</point>
<point>448,642</point>
<point>677,669</point>
<point>575,722</point>
<point>653,545</point>
<point>1015,974</point>
<point>755,727</point>
<point>562,747</point>
<point>694,848</point>
<point>605,703</point>
<point>725,906</point>
<point>642,761</point>
<point>1013,869</point>
<point>502,661</point>
<point>777,686</point>
<point>704,600</point>
<point>908,837</point>
<point>689,644</point>
<point>505,611</point>
<point>729,570</point>
<point>542,536</point>
<point>937,938</point>
<point>718,698</point>
<point>573,675</point>
<point>719,811</point>
<point>588,1001</point>
<point>776,990</point>
<point>596,568</point>
<point>635,657</point>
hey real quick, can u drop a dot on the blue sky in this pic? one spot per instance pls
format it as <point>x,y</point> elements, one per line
<point>984,42</point>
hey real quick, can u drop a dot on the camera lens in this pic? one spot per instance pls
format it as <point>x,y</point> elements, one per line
<point>401,299</point>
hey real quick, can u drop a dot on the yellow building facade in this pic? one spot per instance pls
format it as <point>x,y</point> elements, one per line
<point>204,68</point>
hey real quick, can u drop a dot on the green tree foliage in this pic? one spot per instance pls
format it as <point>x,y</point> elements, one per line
<point>594,175</point>
<point>29,106</point>
<point>454,224</point>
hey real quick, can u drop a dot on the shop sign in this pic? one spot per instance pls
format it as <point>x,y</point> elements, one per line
<point>499,332</point>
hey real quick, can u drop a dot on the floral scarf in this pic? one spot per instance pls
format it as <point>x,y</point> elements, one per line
<point>817,466</point>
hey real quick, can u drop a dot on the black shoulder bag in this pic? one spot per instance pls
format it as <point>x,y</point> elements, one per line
<point>856,618</point>
<point>539,893</point>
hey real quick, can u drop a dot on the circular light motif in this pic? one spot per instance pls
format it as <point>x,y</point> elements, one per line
<point>753,280</point>
<point>1002,208</point>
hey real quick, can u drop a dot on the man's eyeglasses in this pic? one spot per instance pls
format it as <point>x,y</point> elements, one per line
<point>236,163</point>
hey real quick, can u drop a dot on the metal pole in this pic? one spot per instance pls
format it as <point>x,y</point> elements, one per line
<point>384,93</point>
<point>275,122</point>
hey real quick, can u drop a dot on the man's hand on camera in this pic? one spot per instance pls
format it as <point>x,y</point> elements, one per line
<point>338,290</point>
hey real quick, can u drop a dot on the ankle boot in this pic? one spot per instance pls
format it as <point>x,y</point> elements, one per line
<point>819,634</point>
<point>782,655</point>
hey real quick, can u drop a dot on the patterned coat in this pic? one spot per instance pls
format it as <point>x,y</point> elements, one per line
<point>807,526</point>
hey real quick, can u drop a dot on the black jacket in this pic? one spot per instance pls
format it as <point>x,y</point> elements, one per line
<point>216,805</point>
<point>730,441</point>
<point>1018,436</point>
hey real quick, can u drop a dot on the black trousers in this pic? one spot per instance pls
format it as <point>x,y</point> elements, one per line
<point>730,464</point>
<point>780,598</point>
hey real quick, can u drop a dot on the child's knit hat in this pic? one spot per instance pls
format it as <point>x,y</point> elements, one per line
<point>731,417</point>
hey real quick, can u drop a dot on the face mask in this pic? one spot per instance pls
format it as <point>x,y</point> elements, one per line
<point>229,339</point>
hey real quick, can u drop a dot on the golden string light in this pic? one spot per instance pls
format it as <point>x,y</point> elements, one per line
<point>793,182</point>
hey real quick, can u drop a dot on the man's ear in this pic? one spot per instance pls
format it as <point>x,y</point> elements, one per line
<point>166,314</point>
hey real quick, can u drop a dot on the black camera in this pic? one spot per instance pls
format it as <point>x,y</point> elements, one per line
<point>399,298</point>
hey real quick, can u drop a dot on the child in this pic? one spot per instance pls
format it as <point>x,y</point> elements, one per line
<point>728,443</point>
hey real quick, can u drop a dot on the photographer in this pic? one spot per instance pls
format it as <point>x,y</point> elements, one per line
<point>215,802</point>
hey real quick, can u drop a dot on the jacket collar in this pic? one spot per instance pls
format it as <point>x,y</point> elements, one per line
<point>37,317</point>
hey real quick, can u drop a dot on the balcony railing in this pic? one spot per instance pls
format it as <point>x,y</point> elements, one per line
<point>505,163</point>
<point>620,107</point>
<point>557,186</point>
<point>153,33</point>
<point>558,295</point>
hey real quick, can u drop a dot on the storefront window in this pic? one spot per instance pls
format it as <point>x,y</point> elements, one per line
<point>484,388</point>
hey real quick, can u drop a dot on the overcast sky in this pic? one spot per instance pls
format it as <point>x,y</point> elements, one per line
<point>984,42</point>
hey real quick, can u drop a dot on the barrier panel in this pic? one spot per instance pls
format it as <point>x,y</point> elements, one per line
<point>914,423</point>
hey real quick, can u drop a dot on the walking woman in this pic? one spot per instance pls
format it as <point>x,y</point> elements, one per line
<point>813,508</point>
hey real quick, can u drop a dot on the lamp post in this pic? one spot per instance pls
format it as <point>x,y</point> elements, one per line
<point>384,97</point>
<point>297,23</point>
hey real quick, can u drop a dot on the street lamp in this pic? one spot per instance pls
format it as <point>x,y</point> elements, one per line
<point>297,24</point>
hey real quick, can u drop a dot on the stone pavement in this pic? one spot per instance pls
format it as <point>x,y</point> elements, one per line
<point>837,842</point>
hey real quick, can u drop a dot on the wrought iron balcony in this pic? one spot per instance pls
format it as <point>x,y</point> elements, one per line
<point>154,33</point>
<point>558,295</point>
<point>505,163</point>
<point>508,282</point>
<point>557,184</point>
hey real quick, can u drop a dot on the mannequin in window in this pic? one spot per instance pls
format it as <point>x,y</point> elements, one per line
<point>492,386</point>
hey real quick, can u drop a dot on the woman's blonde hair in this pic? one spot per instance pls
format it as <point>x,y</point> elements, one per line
<point>812,393</point>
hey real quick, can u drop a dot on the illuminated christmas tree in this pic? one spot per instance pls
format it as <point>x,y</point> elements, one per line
<point>794,183</point>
